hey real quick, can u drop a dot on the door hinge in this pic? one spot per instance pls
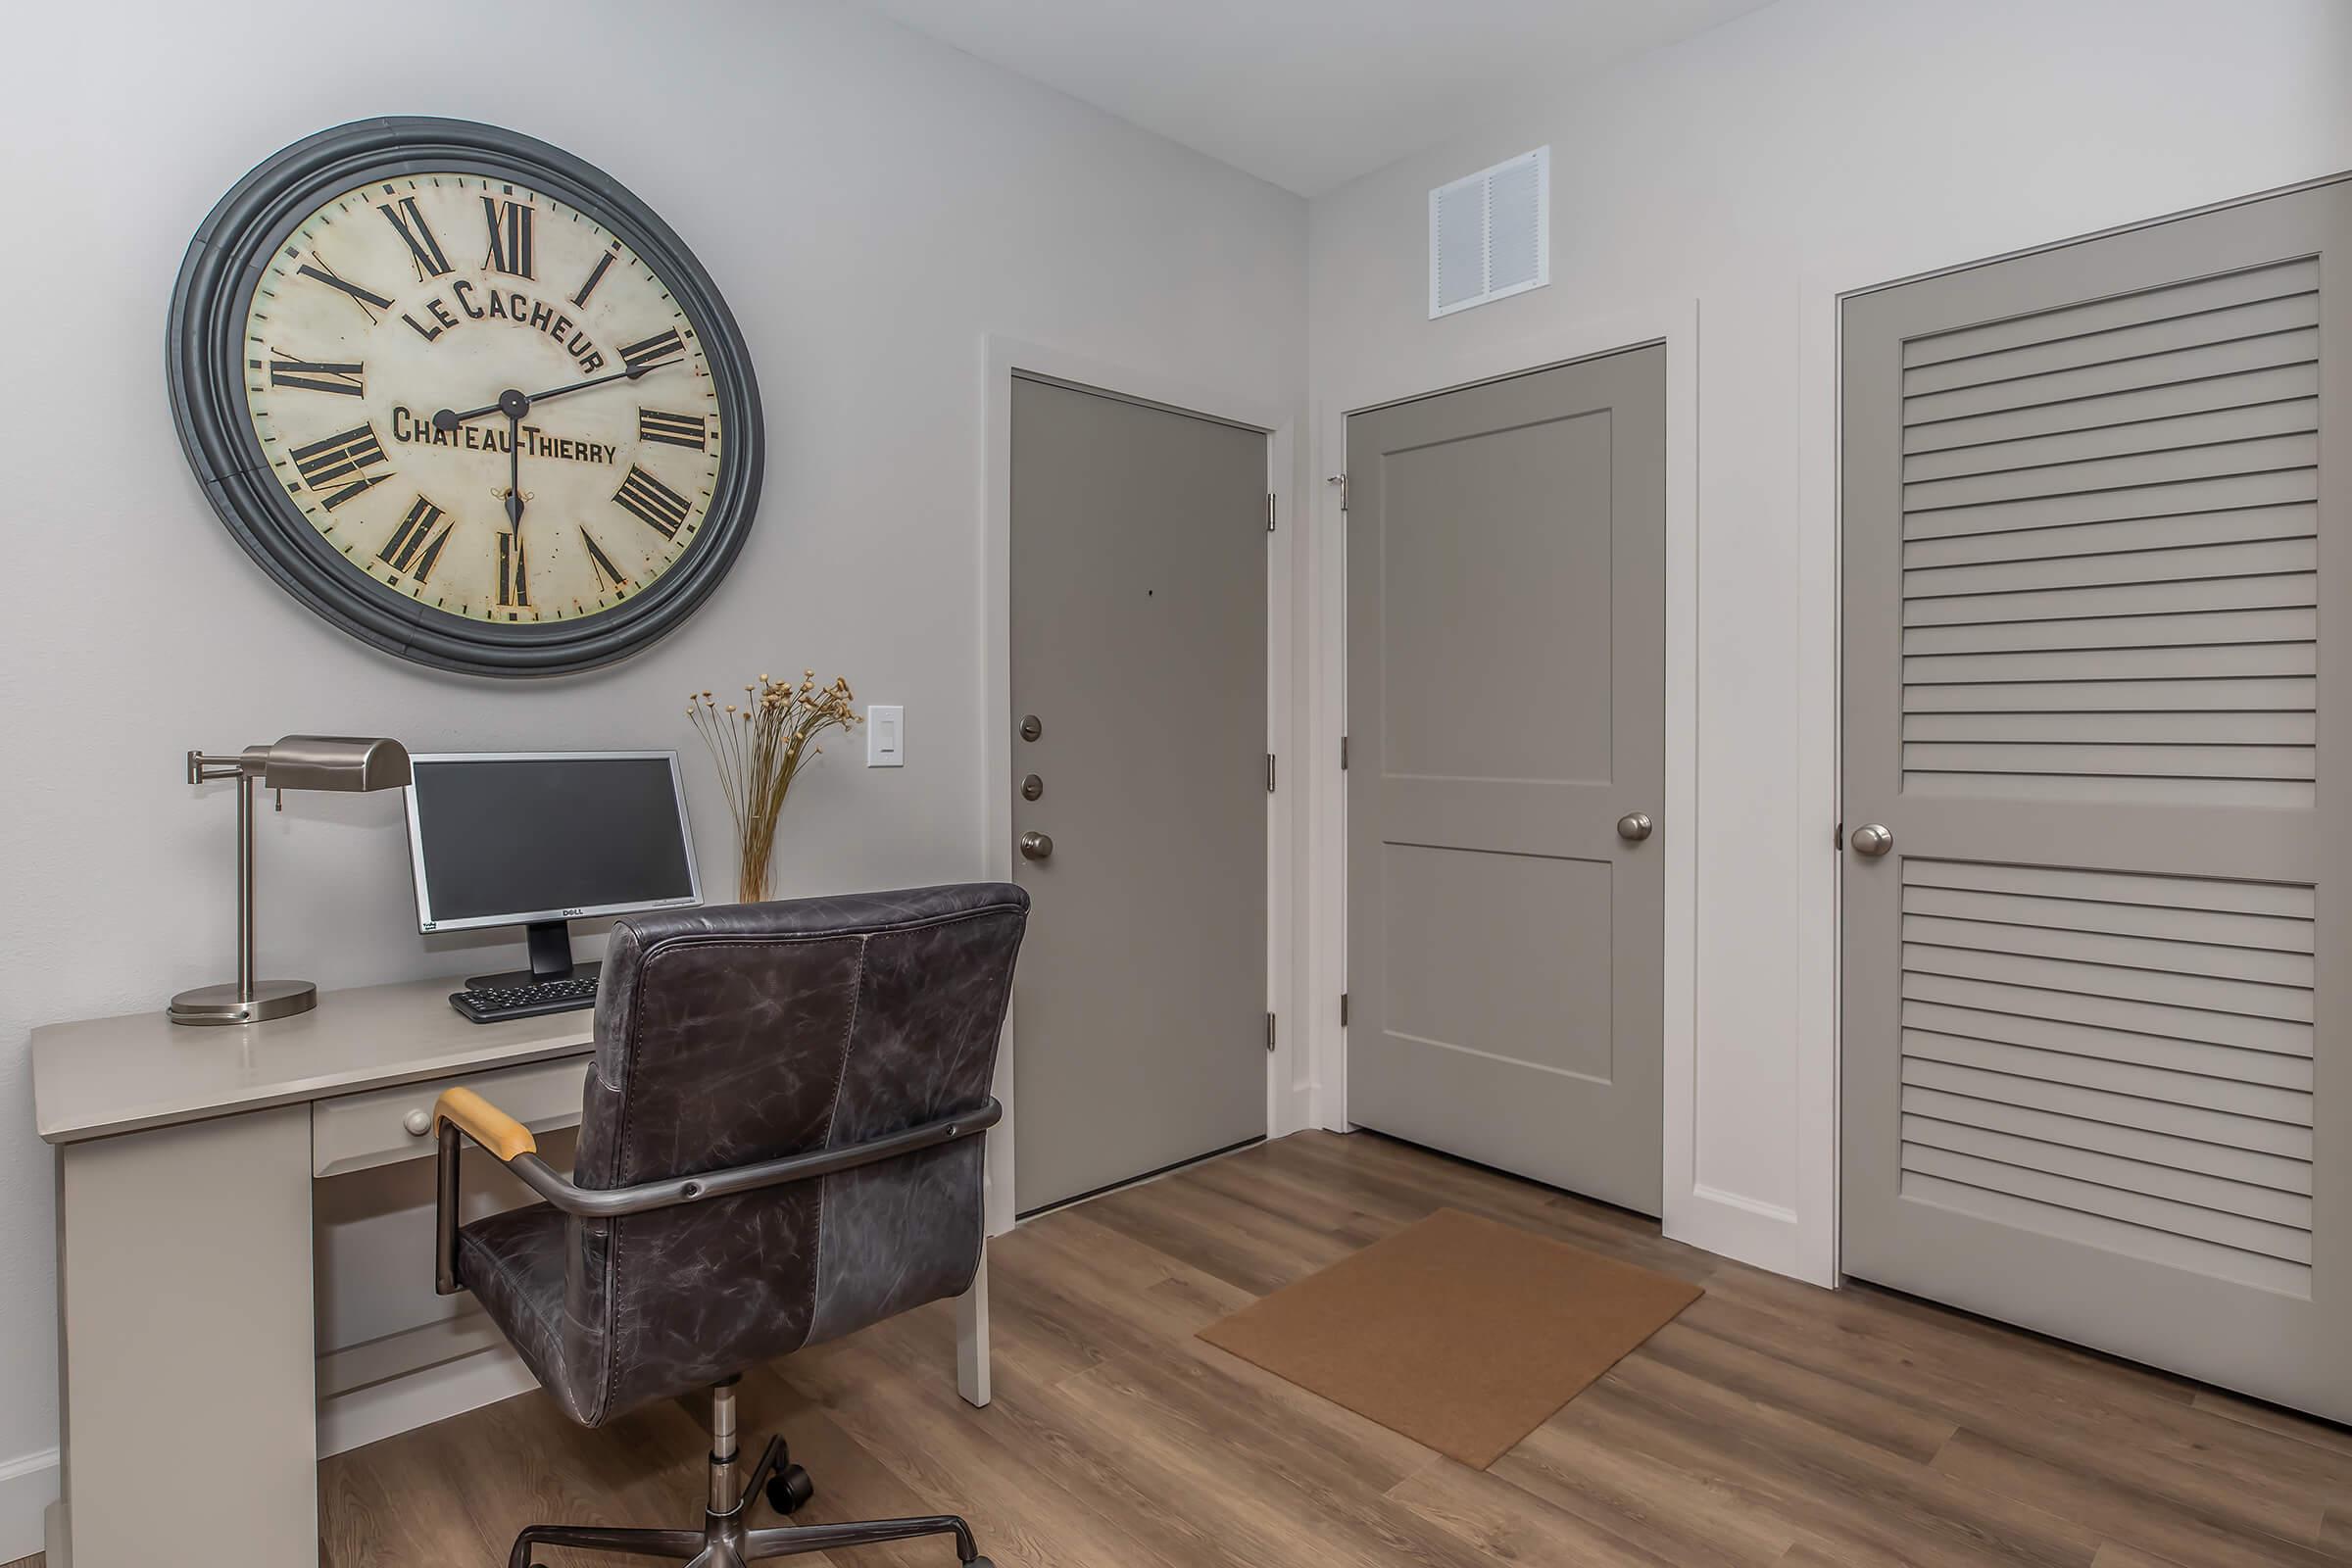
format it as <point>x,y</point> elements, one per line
<point>1269,772</point>
<point>1342,754</point>
<point>1340,480</point>
<point>1837,839</point>
<point>1342,1010</point>
<point>1269,1030</point>
<point>1269,511</point>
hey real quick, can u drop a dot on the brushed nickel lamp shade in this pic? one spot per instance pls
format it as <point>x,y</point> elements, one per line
<point>340,762</point>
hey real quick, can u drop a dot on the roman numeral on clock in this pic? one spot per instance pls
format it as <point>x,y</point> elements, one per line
<point>367,299</point>
<point>608,575</point>
<point>510,236</point>
<point>402,214</point>
<point>320,375</point>
<point>340,457</point>
<point>656,504</point>
<point>654,351</point>
<point>596,275</point>
<point>672,429</point>
<point>514,583</point>
<point>416,543</point>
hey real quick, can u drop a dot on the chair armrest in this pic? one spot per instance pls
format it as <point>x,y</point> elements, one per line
<point>613,1203</point>
<point>461,1110</point>
<point>485,1123</point>
<point>454,1114</point>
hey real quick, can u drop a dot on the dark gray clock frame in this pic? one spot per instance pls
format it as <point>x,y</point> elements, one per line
<point>206,367</point>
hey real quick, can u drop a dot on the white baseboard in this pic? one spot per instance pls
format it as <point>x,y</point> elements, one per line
<point>29,1485</point>
<point>1762,1235</point>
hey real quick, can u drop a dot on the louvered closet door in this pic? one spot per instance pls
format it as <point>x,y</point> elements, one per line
<point>2094,684</point>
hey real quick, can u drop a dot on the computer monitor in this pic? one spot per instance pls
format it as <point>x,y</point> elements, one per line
<point>539,838</point>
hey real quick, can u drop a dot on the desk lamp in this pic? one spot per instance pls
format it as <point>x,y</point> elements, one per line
<point>296,762</point>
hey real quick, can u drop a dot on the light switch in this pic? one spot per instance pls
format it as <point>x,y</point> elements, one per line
<point>885,737</point>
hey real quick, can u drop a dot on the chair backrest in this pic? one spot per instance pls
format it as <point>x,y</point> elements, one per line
<point>731,1035</point>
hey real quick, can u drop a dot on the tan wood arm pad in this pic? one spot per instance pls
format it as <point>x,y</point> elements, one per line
<point>485,1123</point>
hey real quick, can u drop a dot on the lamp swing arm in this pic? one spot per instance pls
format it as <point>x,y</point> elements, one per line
<point>204,768</point>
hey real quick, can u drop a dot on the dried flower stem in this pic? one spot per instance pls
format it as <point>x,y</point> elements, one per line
<point>759,747</point>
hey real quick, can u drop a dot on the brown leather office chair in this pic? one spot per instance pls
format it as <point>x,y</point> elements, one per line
<point>779,1145</point>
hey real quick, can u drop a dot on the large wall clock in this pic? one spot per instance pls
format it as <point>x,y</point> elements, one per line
<point>465,396</point>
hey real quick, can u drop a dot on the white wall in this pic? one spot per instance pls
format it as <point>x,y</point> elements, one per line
<point>1813,147</point>
<point>871,203</point>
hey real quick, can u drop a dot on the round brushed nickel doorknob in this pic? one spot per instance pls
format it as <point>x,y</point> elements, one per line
<point>418,1122</point>
<point>1036,847</point>
<point>1873,839</point>
<point>1635,826</point>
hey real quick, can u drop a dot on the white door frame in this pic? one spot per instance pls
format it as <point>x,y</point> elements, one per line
<point>1287,1104</point>
<point>1719,1222</point>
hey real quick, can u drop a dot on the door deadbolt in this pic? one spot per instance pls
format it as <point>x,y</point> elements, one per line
<point>1031,729</point>
<point>1032,787</point>
<point>1873,839</point>
<point>1634,826</point>
<point>1036,847</point>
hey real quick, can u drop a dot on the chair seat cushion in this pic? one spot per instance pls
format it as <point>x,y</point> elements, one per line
<point>514,1263</point>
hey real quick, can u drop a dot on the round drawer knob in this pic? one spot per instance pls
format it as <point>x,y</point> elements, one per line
<point>418,1122</point>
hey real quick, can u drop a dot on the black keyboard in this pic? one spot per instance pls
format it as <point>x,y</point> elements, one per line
<point>497,1004</point>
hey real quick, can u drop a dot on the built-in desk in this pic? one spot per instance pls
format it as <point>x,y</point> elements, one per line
<point>104,1076</point>
<point>185,1158</point>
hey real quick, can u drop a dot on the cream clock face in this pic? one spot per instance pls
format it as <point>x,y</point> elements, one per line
<point>482,398</point>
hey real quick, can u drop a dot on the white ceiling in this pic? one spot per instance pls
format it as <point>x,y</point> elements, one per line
<point>1307,94</point>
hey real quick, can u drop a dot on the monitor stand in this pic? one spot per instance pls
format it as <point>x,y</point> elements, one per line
<point>551,959</point>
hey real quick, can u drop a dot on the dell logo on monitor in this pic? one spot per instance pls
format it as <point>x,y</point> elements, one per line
<point>571,911</point>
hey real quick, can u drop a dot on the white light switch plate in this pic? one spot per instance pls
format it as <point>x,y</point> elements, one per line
<point>885,737</point>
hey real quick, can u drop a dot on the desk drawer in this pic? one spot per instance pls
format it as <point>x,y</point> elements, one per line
<point>386,1125</point>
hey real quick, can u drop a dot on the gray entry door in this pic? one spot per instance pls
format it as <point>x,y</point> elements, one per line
<point>1139,644</point>
<point>1505,709</point>
<point>2088,1080</point>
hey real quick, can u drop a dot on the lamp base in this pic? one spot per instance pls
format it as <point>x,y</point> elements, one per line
<point>221,1004</point>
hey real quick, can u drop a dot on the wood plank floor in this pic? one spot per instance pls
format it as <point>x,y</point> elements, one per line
<point>1773,1423</point>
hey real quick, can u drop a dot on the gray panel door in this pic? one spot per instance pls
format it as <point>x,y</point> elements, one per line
<point>1139,643</point>
<point>2088,1084</point>
<point>1506,708</point>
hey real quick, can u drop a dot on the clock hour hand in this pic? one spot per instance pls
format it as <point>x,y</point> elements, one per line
<point>514,405</point>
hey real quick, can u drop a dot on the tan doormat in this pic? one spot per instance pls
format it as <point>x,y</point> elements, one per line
<point>1460,1332</point>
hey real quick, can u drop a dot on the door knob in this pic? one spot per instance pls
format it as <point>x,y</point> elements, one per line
<point>1873,839</point>
<point>1036,847</point>
<point>1634,826</point>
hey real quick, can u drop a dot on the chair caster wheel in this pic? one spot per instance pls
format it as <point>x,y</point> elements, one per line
<point>790,1489</point>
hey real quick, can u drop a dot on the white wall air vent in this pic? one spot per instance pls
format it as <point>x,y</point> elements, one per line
<point>1489,234</point>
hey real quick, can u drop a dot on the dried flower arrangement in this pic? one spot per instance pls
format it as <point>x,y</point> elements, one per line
<point>760,747</point>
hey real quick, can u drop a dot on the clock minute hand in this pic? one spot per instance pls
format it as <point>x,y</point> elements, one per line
<point>448,420</point>
<point>631,373</point>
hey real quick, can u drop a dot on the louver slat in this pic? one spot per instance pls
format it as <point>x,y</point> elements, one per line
<point>2113,1058</point>
<point>2108,533</point>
